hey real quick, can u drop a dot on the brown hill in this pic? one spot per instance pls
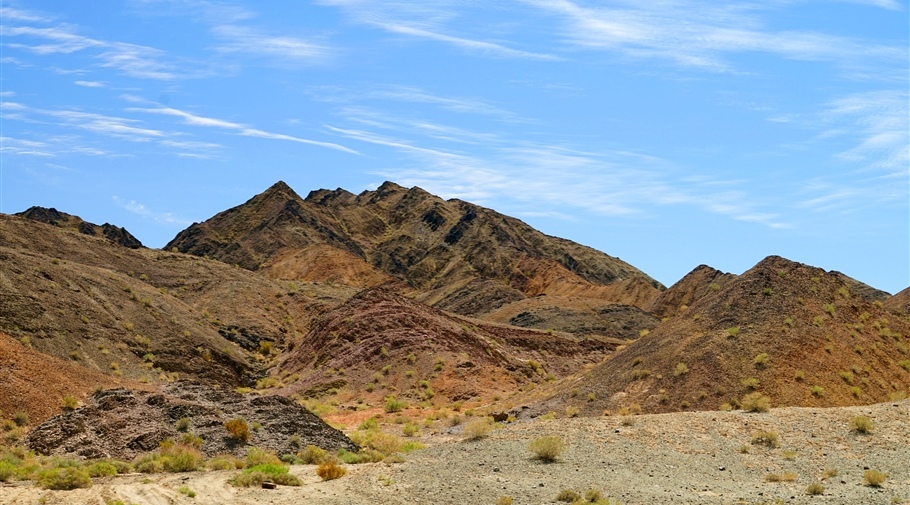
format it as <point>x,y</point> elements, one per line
<point>786,330</point>
<point>442,249</point>
<point>695,285</point>
<point>145,313</point>
<point>35,383</point>
<point>381,343</point>
<point>70,222</point>
<point>899,303</point>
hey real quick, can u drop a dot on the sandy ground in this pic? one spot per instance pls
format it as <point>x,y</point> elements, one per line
<point>663,458</point>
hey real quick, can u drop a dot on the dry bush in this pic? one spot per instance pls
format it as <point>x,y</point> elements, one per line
<point>256,456</point>
<point>313,455</point>
<point>568,496</point>
<point>766,438</point>
<point>224,462</point>
<point>756,402</point>
<point>504,500</point>
<point>815,489</point>
<point>547,449</point>
<point>861,424</point>
<point>874,478</point>
<point>330,470</point>
<point>478,428</point>
<point>238,429</point>
<point>64,478</point>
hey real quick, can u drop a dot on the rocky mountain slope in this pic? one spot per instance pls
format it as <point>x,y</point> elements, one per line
<point>794,333</point>
<point>455,255</point>
<point>70,222</point>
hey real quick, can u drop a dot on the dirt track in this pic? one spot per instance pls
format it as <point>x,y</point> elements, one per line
<point>663,458</point>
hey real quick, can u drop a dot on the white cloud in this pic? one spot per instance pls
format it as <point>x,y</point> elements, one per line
<point>280,49</point>
<point>238,128</point>
<point>160,217</point>
<point>90,84</point>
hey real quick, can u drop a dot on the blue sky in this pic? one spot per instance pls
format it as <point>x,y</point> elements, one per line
<point>668,133</point>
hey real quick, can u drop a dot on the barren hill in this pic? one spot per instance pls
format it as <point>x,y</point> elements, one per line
<point>145,313</point>
<point>456,255</point>
<point>75,223</point>
<point>786,330</point>
<point>380,343</point>
<point>35,383</point>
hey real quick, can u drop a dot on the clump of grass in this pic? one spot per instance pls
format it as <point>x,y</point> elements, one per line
<point>817,391</point>
<point>815,489</point>
<point>313,455</point>
<point>69,403</point>
<point>185,490</point>
<point>255,476</point>
<point>478,428</point>
<point>756,402</point>
<point>547,449</point>
<point>224,462</point>
<point>766,438</point>
<point>861,424</point>
<point>761,360</point>
<point>784,477</point>
<point>568,496</point>
<point>330,470</point>
<point>681,369</point>
<point>874,478</point>
<point>572,411</point>
<point>184,424</point>
<point>829,472</point>
<point>504,500</point>
<point>750,382</point>
<point>393,404</point>
<point>64,479</point>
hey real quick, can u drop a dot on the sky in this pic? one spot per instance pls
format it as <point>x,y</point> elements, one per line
<point>668,133</point>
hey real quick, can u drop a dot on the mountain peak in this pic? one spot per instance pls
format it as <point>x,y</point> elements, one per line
<point>280,188</point>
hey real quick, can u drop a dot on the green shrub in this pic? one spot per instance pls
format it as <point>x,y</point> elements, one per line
<point>68,403</point>
<point>370,423</point>
<point>256,456</point>
<point>181,458</point>
<point>874,478</point>
<point>255,476</point>
<point>761,360</point>
<point>20,418</point>
<point>185,490</point>
<point>101,469</point>
<point>547,449</point>
<point>224,462</point>
<point>393,404</point>
<point>7,471</point>
<point>183,424</point>
<point>817,391</point>
<point>65,478</point>
<point>410,430</point>
<point>681,369</point>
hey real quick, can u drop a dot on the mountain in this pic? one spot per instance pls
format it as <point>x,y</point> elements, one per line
<point>147,314</point>
<point>70,222</point>
<point>454,255</point>
<point>792,332</point>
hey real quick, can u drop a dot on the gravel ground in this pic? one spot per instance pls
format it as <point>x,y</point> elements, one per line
<point>684,458</point>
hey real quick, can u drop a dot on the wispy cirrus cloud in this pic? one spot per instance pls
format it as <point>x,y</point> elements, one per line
<point>878,123</point>
<point>697,35</point>
<point>282,50</point>
<point>428,20</point>
<point>168,218</point>
<point>550,176</point>
<point>237,128</point>
<point>90,84</point>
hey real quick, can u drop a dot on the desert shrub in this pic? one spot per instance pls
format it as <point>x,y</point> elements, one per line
<point>732,332</point>
<point>255,476</point>
<point>238,429</point>
<point>370,423</point>
<point>410,430</point>
<point>829,472</point>
<point>756,402</point>
<point>393,404</point>
<point>799,375</point>
<point>7,471</point>
<point>65,478</point>
<point>847,377</point>
<point>385,443</point>
<point>504,500</point>
<point>640,374</point>
<point>547,449</point>
<point>68,403</point>
<point>568,496</point>
<point>817,391</point>
<point>183,424</point>
<point>20,418</point>
<point>149,463</point>
<point>185,490</point>
<point>761,360</point>
<point>766,438</point>
<point>224,462</point>
<point>181,458</point>
<point>593,496</point>
<point>256,456</point>
<point>478,428</point>
<point>313,455</point>
<point>784,477</point>
<point>681,369</point>
<point>874,478</point>
<point>571,411</point>
<point>815,489</point>
<point>861,424</point>
<point>750,382</point>
<point>101,469</point>
<point>191,440</point>
<point>330,470</point>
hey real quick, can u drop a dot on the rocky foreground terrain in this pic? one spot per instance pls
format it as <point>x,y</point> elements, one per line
<point>694,458</point>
